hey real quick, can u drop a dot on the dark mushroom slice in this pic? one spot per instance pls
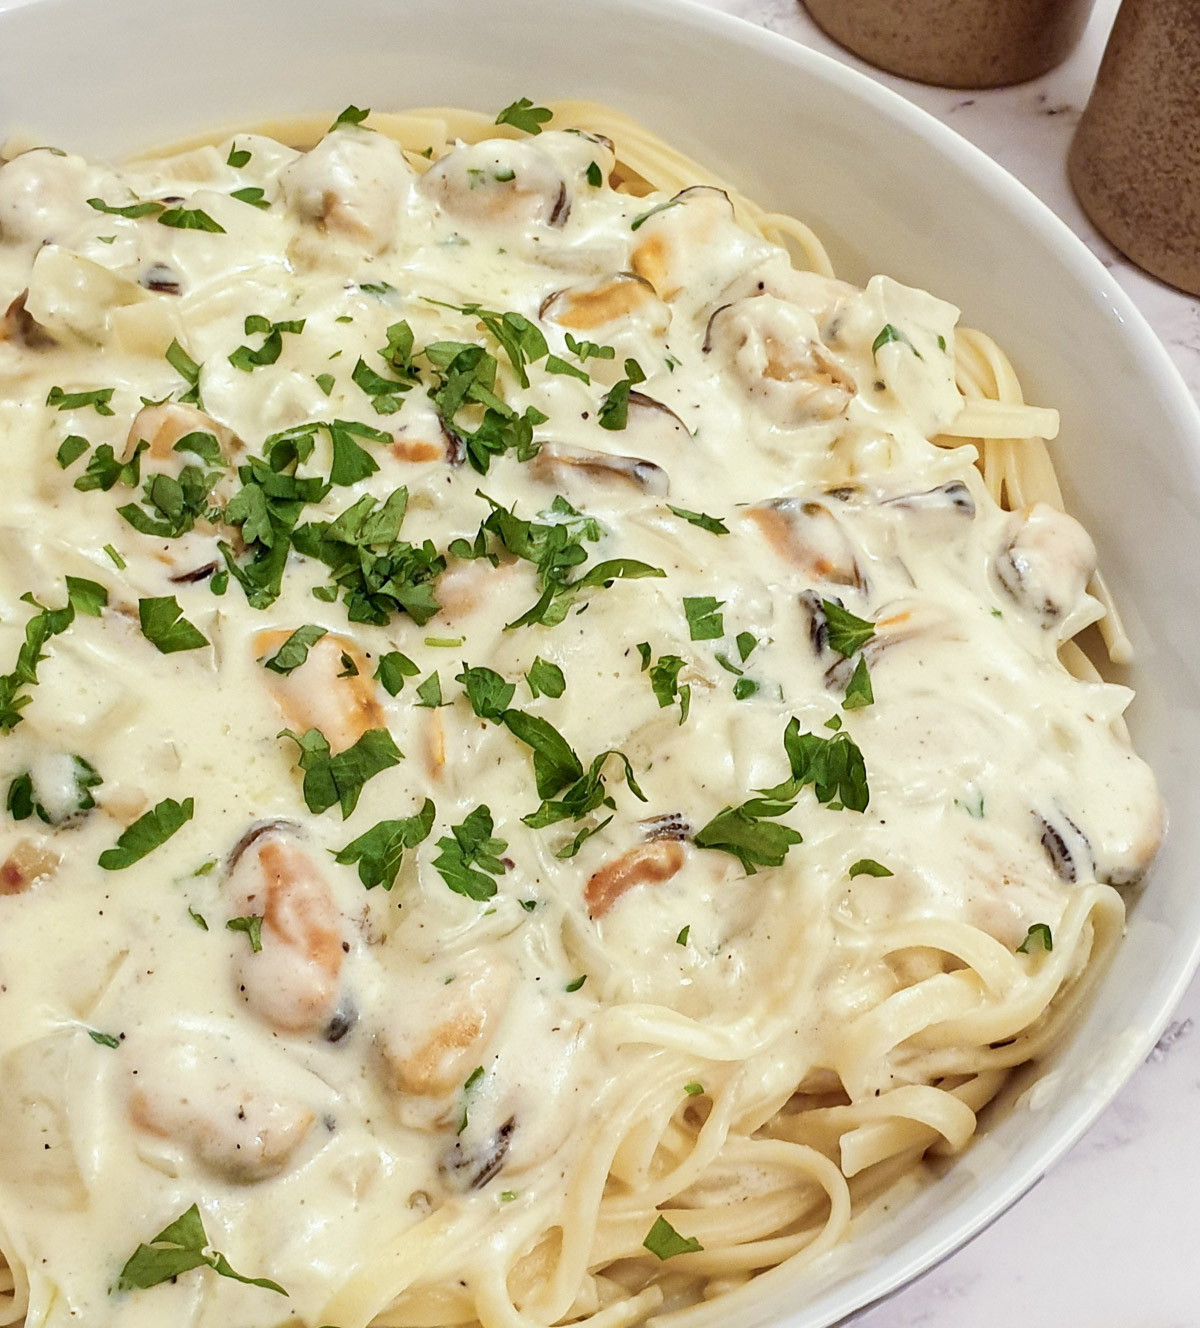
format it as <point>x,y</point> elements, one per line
<point>1045,563</point>
<point>1066,846</point>
<point>499,182</point>
<point>161,278</point>
<point>954,498</point>
<point>195,574</point>
<point>21,328</point>
<point>668,825</point>
<point>556,463</point>
<point>340,1024</point>
<point>470,1168</point>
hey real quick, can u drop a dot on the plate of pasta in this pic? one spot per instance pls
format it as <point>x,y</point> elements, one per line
<point>567,666</point>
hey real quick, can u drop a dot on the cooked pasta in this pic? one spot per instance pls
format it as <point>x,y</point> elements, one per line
<point>549,763</point>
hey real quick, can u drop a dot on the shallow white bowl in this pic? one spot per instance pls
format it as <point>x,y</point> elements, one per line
<point>889,189</point>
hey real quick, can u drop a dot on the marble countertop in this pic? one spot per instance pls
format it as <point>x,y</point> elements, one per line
<point>1108,1238</point>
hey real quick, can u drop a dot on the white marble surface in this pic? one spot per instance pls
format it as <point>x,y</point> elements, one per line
<point>1109,1238</point>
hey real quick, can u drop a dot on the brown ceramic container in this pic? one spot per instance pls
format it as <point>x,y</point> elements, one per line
<point>956,43</point>
<point>1135,160</point>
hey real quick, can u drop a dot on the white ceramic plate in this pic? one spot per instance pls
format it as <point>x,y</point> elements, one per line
<point>889,189</point>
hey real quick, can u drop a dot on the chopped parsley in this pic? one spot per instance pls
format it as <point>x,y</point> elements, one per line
<point>165,627</point>
<point>325,382</point>
<point>750,834</point>
<point>744,688</point>
<point>188,370</point>
<point>858,690</point>
<point>104,470</point>
<point>682,938</point>
<point>639,221</point>
<point>572,846</point>
<point>833,766</point>
<point>190,219</point>
<point>1038,934</point>
<point>96,397</point>
<point>589,350</point>
<point>704,621</point>
<point>71,449</point>
<point>714,525</point>
<point>22,802</point>
<point>248,358</point>
<point>487,692</point>
<point>251,924</point>
<point>746,642</point>
<point>238,157</point>
<point>87,597</point>
<point>380,851</point>
<point>470,856</point>
<point>132,211</point>
<point>330,779</point>
<point>664,679</point>
<point>177,1249</point>
<point>614,409</point>
<point>252,194</point>
<point>869,867</point>
<point>148,832</point>
<point>576,983</point>
<point>348,118</point>
<point>594,175</point>
<point>524,115</point>
<point>103,1039</point>
<point>664,1242</point>
<point>392,670</point>
<point>38,630</point>
<point>294,650</point>
<point>545,679</point>
<point>890,333</point>
<point>693,1089</point>
<point>117,561</point>
<point>430,692</point>
<point>846,632</point>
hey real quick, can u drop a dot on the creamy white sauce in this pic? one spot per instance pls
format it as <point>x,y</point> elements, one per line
<point>226,1090</point>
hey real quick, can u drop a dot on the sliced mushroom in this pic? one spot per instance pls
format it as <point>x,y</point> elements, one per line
<point>418,449</point>
<point>28,863</point>
<point>163,426</point>
<point>673,243</point>
<point>647,864</point>
<point>195,574</point>
<point>1045,564</point>
<point>291,983</point>
<point>470,1168</point>
<point>20,328</point>
<point>318,694</point>
<point>557,463</point>
<point>809,536</point>
<point>610,301</point>
<point>499,182</point>
<point>774,352</point>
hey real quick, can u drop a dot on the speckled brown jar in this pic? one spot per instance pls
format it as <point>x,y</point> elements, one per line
<point>956,43</point>
<point>1135,161</point>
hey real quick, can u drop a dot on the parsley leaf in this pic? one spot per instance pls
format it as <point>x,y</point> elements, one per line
<point>188,370</point>
<point>147,833</point>
<point>487,692</point>
<point>177,1249</point>
<point>664,1242</point>
<point>237,158</point>
<point>294,650</point>
<point>472,852</point>
<point>164,626</point>
<point>594,175</point>
<point>746,642</point>
<point>524,115</point>
<point>749,835</point>
<point>833,766</point>
<point>545,679</point>
<point>614,409</point>
<point>325,382</point>
<point>846,632</point>
<point>132,210</point>
<point>664,679</point>
<point>858,690</point>
<point>329,779</point>
<point>252,926</point>
<point>586,350</point>
<point>22,802</point>
<point>1038,934</point>
<point>71,449</point>
<point>252,194</point>
<point>190,219</point>
<point>890,333</point>
<point>103,1039</point>
<point>172,506</point>
<point>392,670</point>
<point>104,470</point>
<point>248,358</point>
<point>704,621</point>
<point>644,217</point>
<point>430,692</point>
<point>573,846</point>
<point>38,630</point>
<point>714,525</point>
<point>868,867</point>
<point>87,597</point>
<point>380,851</point>
<point>350,117</point>
<point>97,397</point>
